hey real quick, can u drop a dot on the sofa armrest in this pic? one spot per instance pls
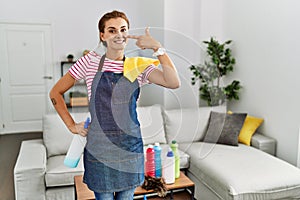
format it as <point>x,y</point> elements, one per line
<point>264,143</point>
<point>29,171</point>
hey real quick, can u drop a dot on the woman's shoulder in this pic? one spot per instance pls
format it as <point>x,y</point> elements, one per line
<point>90,60</point>
<point>92,56</point>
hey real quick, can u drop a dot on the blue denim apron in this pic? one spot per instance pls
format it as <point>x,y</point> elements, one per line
<point>113,156</point>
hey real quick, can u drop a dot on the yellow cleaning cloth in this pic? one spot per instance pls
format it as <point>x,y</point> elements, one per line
<point>134,66</point>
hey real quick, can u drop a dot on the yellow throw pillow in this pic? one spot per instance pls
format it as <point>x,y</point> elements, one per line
<point>249,127</point>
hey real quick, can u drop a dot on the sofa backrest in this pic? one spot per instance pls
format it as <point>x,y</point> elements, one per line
<point>188,124</point>
<point>152,124</point>
<point>57,137</point>
<point>157,125</point>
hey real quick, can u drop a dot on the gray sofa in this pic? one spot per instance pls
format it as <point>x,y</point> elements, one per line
<point>219,171</point>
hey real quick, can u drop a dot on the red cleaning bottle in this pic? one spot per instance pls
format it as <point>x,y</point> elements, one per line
<point>150,161</point>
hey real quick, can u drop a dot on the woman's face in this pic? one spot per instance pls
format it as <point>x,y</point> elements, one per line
<point>115,32</point>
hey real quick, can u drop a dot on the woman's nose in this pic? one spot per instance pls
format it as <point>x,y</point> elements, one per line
<point>120,34</point>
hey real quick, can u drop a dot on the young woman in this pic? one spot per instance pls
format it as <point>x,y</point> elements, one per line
<point>113,156</point>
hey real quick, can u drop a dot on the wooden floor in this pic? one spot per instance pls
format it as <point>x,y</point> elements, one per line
<point>9,149</point>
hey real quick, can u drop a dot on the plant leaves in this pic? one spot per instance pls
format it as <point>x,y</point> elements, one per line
<point>219,64</point>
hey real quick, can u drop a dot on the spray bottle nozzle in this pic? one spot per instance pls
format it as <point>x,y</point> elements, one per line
<point>87,123</point>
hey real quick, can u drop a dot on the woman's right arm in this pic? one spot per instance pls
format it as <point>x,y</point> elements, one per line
<point>56,96</point>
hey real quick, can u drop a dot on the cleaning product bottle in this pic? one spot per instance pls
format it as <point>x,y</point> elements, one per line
<point>169,167</point>
<point>157,150</point>
<point>76,148</point>
<point>174,147</point>
<point>150,161</point>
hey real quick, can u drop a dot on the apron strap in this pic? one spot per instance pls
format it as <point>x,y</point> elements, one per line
<point>101,63</point>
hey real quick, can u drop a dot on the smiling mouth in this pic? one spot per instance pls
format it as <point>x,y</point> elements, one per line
<point>120,40</point>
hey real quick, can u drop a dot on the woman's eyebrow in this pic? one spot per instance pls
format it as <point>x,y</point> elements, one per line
<point>111,27</point>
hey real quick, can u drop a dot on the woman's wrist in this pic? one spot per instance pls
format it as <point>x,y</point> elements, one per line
<point>159,52</point>
<point>72,128</point>
<point>156,47</point>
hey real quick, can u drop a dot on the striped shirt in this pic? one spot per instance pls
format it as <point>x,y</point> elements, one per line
<point>87,66</point>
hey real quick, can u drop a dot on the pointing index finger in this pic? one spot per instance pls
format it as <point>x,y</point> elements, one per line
<point>147,32</point>
<point>133,36</point>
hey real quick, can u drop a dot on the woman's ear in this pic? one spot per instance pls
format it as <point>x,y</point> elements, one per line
<point>102,39</point>
<point>101,36</point>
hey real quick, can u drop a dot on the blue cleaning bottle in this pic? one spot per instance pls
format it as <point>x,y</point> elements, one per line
<point>157,151</point>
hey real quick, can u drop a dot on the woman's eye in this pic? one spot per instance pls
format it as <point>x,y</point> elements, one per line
<point>123,30</point>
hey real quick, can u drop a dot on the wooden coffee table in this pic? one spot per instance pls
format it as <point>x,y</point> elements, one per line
<point>183,182</point>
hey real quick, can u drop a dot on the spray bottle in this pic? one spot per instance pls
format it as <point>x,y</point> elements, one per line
<point>76,148</point>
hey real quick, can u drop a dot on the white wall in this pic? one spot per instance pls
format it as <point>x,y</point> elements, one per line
<point>266,46</point>
<point>187,24</point>
<point>74,22</point>
<point>180,27</point>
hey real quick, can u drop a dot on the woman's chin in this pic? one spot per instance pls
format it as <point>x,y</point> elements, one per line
<point>119,46</point>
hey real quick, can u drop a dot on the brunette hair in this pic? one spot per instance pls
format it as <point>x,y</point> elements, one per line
<point>111,15</point>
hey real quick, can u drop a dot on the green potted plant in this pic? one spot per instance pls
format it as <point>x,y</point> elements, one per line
<point>218,64</point>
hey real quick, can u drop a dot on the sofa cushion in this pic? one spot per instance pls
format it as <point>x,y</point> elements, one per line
<point>224,128</point>
<point>189,124</point>
<point>242,172</point>
<point>57,138</point>
<point>151,121</point>
<point>250,125</point>
<point>58,174</point>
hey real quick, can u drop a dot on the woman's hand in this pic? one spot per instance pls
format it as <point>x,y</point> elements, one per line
<point>167,77</point>
<point>145,41</point>
<point>78,128</point>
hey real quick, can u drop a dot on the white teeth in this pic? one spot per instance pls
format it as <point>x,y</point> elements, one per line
<point>119,41</point>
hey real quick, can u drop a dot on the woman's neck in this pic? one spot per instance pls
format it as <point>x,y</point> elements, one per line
<point>116,55</point>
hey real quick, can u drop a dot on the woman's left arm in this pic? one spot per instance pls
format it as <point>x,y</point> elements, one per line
<point>166,77</point>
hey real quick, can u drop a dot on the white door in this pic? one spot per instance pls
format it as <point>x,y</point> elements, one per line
<point>26,70</point>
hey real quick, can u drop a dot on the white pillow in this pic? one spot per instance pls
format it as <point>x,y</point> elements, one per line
<point>189,124</point>
<point>57,137</point>
<point>152,127</point>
